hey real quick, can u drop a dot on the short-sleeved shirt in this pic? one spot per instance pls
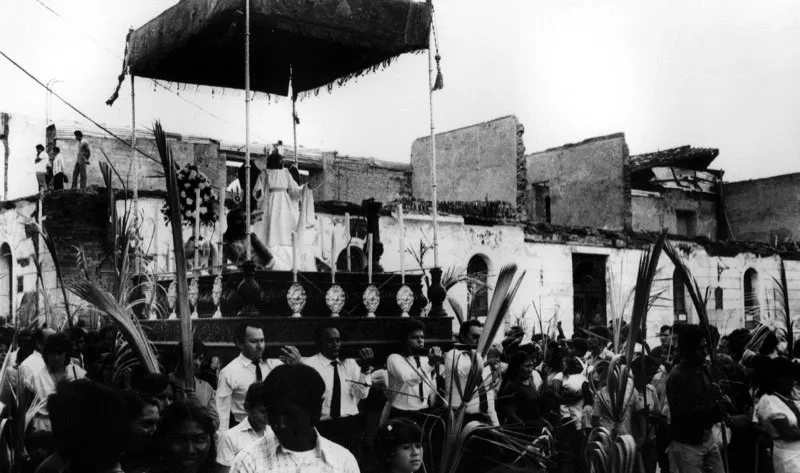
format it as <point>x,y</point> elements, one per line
<point>236,439</point>
<point>83,152</point>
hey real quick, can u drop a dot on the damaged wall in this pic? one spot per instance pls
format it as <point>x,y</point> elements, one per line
<point>765,210</point>
<point>653,211</point>
<point>587,181</point>
<point>477,162</point>
<point>346,179</point>
<point>17,251</point>
<point>147,170</point>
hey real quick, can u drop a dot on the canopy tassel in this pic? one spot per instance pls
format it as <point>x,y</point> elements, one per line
<point>439,84</point>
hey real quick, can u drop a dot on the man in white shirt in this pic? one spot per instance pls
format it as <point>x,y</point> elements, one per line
<point>346,383</point>
<point>457,367</point>
<point>59,176</point>
<point>40,166</point>
<point>235,439</point>
<point>239,374</point>
<point>34,363</point>
<point>412,376</point>
<point>294,398</point>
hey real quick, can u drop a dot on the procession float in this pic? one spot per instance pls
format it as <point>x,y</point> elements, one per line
<point>294,49</point>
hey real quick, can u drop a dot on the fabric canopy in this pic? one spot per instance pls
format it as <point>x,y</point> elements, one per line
<point>324,42</point>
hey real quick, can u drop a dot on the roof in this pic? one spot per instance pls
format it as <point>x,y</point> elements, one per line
<point>684,157</point>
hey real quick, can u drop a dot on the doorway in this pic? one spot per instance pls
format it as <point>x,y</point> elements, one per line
<point>589,289</point>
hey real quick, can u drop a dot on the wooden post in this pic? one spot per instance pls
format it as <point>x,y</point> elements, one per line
<point>347,239</point>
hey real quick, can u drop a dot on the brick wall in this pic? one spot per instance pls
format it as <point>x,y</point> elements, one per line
<point>588,182</point>
<point>347,179</point>
<point>477,162</point>
<point>147,166</point>
<point>764,209</point>
<point>79,220</point>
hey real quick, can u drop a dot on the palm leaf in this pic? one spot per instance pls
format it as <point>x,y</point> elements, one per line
<point>648,266</point>
<point>128,325</point>
<point>783,298</point>
<point>693,289</point>
<point>182,288</point>
<point>458,309</point>
<point>504,293</point>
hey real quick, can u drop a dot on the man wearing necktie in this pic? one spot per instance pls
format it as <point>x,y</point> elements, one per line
<point>239,374</point>
<point>347,382</point>
<point>457,366</point>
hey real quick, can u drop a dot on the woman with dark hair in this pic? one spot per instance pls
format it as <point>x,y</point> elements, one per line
<point>157,386</point>
<point>186,438</point>
<point>778,413</point>
<point>398,447</point>
<point>520,399</point>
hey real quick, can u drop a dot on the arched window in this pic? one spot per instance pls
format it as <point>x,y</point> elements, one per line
<point>679,298</point>
<point>718,305</point>
<point>752,309</point>
<point>6,283</point>
<point>478,272</point>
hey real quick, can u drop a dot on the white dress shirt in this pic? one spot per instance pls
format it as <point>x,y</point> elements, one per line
<point>405,379</point>
<point>236,439</point>
<point>355,384</point>
<point>33,364</point>
<point>457,366</point>
<point>43,161</point>
<point>234,380</point>
<point>58,164</point>
<point>267,455</point>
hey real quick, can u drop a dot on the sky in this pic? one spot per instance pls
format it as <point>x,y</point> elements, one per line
<point>707,73</point>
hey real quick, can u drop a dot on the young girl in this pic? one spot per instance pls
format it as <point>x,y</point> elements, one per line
<point>399,447</point>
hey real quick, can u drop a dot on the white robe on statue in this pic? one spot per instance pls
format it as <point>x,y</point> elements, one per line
<point>278,195</point>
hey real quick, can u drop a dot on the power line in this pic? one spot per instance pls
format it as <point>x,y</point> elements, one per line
<point>156,82</point>
<point>95,123</point>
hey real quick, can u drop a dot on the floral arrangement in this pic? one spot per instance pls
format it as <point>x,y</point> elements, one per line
<point>189,179</point>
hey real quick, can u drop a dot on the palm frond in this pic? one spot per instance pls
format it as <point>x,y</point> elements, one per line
<point>176,221</point>
<point>648,266</point>
<point>694,292</point>
<point>126,322</point>
<point>458,309</point>
<point>783,299</point>
<point>504,293</point>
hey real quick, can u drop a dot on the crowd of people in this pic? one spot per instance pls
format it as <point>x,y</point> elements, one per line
<point>348,411</point>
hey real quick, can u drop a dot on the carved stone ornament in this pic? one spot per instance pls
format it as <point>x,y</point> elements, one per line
<point>405,299</point>
<point>172,296</point>
<point>216,295</point>
<point>334,298</point>
<point>372,299</point>
<point>194,292</point>
<point>296,297</point>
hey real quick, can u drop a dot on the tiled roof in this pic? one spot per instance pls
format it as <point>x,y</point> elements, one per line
<point>683,157</point>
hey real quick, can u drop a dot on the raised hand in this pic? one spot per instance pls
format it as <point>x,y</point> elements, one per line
<point>365,358</point>
<point>290,355</point>
<point>435,356</point>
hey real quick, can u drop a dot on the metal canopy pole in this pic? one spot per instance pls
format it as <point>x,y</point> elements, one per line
<point>434,197</point>
<point>134,156</point>
<point>248,191</point>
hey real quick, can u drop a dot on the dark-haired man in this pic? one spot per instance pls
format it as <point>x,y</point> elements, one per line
<point>237,376</point>
<point>81,162</point>
<point>695,406</point>
<point>412,374</point>
<point>457,367</point>
<point>40,166</point>
<point>347,382</point>
<point>294,398</point>
<point>235,439</point>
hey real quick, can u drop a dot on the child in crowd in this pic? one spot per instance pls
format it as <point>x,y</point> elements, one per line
<point>399,447</point>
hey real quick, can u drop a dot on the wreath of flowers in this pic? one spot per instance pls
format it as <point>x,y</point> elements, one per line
<point>190,179</point>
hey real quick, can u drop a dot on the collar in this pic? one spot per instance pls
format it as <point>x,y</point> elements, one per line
<point>245,425</point>
<point>320,450</point>
<point>329,360</point>
<point>245,361</point>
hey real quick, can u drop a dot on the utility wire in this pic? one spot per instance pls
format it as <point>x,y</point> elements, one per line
<point>156,82</point>
<point>76,109</point>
